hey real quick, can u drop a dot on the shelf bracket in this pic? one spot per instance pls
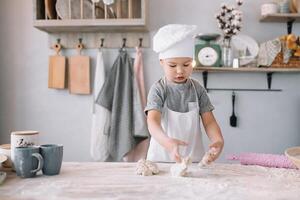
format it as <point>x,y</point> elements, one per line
<point>289,24</point>
<point>269,89</point>
<point>269,79</point>
<point>205,76</point>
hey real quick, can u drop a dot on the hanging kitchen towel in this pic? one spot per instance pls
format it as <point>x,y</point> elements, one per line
<point>117,96</point>
<point>100,118</point>
<point>139,99</point>
<point>139,74</point>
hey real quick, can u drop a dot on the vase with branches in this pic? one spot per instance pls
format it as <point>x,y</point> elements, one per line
<point>229,21</point>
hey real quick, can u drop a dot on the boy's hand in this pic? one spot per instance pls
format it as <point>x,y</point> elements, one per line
<point>173,149</point>
<point>217,149</point>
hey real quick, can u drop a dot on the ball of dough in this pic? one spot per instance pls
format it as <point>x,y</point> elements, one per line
<point>146,168</point>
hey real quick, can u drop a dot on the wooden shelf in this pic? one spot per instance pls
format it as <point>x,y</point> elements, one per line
<point>279,17</point>
<point>132,18</point>
<point>91,25</point>
<point>269,72</point>
<point>244,69</point>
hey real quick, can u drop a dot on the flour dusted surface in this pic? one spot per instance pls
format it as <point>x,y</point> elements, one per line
<point>119,181</point>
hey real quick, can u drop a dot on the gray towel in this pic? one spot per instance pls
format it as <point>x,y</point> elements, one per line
<point>117,96</point>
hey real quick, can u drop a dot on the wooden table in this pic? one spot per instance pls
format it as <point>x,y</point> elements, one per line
<point>119,181</point>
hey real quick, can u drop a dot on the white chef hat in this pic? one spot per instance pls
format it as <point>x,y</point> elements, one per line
<point>174,40</point>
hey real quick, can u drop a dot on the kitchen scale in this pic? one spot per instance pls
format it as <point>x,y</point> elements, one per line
<point>208,52</point>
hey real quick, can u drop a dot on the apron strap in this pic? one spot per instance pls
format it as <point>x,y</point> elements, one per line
<point>196,93</point>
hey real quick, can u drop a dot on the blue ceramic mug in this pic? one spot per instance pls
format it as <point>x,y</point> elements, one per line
<point>28,161</point>
<point>52,154</point>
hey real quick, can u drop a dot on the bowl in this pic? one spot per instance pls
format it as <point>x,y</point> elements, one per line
<point>293,154</point>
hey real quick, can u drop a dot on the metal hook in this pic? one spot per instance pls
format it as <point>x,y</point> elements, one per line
<point>57,45</point>
<point>141,42</point>
<point>124,43</point>
<point>102,42</point>
<point>80,45</point>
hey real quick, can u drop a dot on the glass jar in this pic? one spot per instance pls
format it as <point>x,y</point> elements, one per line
<point>227,53</point>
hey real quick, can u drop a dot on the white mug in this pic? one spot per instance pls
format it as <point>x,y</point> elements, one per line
<point>269,8</point>
<point>23,139</point>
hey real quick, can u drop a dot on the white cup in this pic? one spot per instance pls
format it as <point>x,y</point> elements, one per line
<point>23,139</point>
<point>269,8</point>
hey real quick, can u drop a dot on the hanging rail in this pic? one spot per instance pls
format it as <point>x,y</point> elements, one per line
<point>93,40</point>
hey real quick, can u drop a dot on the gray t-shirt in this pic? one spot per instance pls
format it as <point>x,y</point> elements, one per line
<point>179,96</point>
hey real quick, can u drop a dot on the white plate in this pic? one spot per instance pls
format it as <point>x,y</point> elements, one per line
<point>243,42</point>
<point>62,9</point>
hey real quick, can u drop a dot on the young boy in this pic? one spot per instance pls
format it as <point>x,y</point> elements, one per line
<point>176,101</point>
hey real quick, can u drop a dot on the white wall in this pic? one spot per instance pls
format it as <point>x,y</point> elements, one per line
<point>268,122</point>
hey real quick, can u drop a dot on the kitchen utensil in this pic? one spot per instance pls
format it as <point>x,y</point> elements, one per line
<point>23,139</point>
<point>233,118</point>
<point>108,2</point>
<point>296,5</point>
<point>208,52</point>
<point>79,73</point>
<point>52,155</point>
<point>293,154</point>
<point>50,9</point>
<point>119,9</point>
<point>236,63</point>
<point>130,9</point>
<point>269,8</point>
<point>57,69</point>
<point>62,9</point>
<point>28,161</point>
<point>293,7</point>
<point>284,6</point>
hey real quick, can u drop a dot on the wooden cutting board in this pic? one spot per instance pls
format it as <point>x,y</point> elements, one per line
<point>293,6</point>
<point>50,9</point>
<point>79,73</point>
<point>57,70</point>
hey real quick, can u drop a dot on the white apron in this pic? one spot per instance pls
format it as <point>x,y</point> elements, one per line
<point>183,126</point>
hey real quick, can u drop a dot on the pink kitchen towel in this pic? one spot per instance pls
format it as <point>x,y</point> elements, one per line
<point>265,160</point>
<point>139,74</point>
<point>140,150</point>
